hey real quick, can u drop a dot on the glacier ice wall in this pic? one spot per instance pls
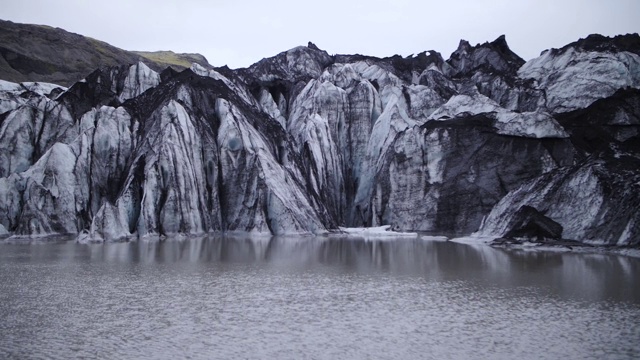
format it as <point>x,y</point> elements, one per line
<point>305,142</point>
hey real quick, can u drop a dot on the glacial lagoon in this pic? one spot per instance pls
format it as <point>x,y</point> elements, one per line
<point>316,298</point>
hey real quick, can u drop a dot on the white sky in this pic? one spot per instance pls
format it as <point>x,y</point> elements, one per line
<point>241,32</point>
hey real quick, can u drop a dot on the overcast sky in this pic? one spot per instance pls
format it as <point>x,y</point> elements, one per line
<point>240,32</point>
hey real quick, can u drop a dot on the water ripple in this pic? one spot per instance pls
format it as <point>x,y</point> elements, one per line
<point>317,299</point>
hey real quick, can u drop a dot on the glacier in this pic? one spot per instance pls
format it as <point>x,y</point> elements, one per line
<point>310,143</point>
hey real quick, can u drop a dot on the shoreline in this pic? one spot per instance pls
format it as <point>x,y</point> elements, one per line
<point>548,246</point>
<point>382,233</point>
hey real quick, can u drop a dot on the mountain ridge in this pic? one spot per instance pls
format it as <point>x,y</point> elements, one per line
<point>40,53</point>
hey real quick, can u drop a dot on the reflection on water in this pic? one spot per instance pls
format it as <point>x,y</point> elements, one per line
<point>572,274</point>
<point>220,297</point>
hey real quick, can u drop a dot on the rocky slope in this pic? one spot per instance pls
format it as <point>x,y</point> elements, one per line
<point>53,55</point>
<point>304,142</point>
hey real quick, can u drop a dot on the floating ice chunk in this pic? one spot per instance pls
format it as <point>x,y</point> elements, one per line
<point>473,240</point>
<point>434,238</point>
<point>378,231</point>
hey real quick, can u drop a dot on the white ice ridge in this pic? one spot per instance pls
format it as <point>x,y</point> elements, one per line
<point>574,79</point>
<point>11,94</point>
<point>39,88</point>
<point>461,104</point>
<point>536,124</point>
<point>139,79</point>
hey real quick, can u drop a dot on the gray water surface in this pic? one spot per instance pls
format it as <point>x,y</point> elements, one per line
<point>314,298</point>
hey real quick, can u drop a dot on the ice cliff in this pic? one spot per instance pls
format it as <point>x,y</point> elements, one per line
<point>306,142</point>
